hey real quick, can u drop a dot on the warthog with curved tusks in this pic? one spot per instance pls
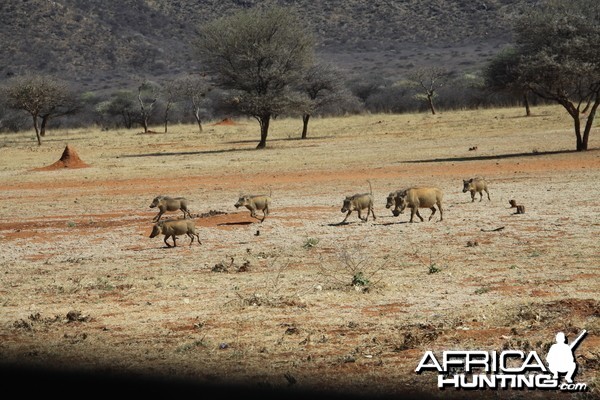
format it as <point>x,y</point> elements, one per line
<point>166,203</point>
<point>422,197</point>
<point>174,228</point>
<point>393,199</point>
<point>260,202</point>
<point>358,202</point>
<point>476,185</point>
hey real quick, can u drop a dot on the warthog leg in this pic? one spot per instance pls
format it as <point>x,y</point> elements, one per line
<point>347,215</point>
<point>191,236</point>
<point>432,212</point>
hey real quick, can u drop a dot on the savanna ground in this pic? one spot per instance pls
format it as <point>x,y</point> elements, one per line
<point>272,305</point>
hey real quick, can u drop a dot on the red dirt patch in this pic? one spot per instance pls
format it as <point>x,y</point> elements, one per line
<point>69,159</point>
<point>226,122</point>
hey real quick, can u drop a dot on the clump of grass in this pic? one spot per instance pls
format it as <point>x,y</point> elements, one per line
<point>482,290</point>
<point>433,269</point>
<point>359,279</point>
<point>311,242</point>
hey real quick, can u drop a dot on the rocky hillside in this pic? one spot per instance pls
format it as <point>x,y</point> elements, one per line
<point>103,44</point>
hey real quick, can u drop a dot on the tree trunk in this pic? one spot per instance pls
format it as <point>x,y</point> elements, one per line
<point>37,129</point>
<point>45,119</point>
<point>305,119</point>
<point>574,113</point>
<point>167,117</point>
<point>589,123</point>
<point>198,120</point>
<point>526,103</point>
<point>430,101</point>
<point>577,125</point>
<point>264,130</point>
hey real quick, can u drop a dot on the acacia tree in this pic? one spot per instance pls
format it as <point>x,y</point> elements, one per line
<point>323,84</point>
<point>502,75</point>
<point>428,79</point>
<point>557,45</point>
<point>43,97</point>
<point>260,54</point>
<point>121,104</point>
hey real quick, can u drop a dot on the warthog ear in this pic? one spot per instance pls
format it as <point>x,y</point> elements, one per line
<point>471,180</point>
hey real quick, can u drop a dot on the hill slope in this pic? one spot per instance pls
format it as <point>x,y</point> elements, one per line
<point>102,44</point>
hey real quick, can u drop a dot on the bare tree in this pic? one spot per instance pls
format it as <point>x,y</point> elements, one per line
<point>260,54</point>
<point>428,80</point>
<point>323,84</point>
<point>147,97</point>
<point>43,97</point>
<point>171,94</point>
<point>193,89</point>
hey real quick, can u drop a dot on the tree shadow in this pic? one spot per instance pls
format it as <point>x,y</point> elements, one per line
<point>492,157</point>
<point>236,223</point>
<point>185,153</point>
<point>293,139</point>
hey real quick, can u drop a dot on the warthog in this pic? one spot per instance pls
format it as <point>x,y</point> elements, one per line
<point>394,199</point>
<point>260,202</point>
<point>166,203</point>
<point>476,185</point>
<point>358,202</point>
<point>422,197</point>
<point>174,228</point>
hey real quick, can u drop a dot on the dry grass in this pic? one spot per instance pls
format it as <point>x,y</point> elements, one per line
<point>288,308</point>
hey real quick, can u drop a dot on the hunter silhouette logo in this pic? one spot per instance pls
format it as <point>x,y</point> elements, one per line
<point>560,356</point>
<point>509,369</point>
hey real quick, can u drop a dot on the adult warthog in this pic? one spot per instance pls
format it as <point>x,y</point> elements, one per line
<point>174,228</point>
<point>422,197</point>
<point>259,202</point>
<point>166,203</point>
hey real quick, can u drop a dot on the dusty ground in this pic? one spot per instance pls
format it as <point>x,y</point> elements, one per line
<point>83,286</point>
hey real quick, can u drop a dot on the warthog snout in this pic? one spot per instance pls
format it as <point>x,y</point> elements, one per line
<point>390,201</point>
<point>346,205</point>
<point>155,231</point>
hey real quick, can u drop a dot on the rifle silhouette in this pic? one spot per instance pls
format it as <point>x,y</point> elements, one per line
<point>575,342</point>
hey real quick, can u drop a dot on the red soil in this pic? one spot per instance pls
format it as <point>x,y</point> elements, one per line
<point>226,121</point>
